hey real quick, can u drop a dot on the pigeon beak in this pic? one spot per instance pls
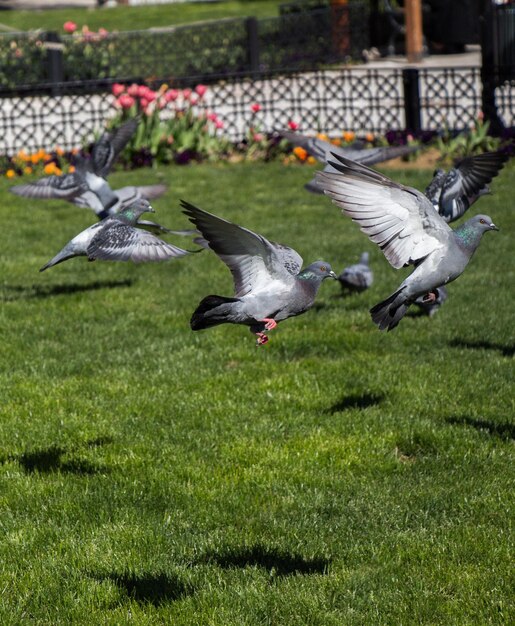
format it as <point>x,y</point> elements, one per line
<point>493,227</point>
<point>333,275</point>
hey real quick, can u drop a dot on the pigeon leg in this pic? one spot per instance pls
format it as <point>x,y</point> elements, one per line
<point>432,296</point>
<point>270,323</point>
<point>261,339</point>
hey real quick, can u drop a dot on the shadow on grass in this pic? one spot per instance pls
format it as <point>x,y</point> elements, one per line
<point>356,401</point>
<point>275,562</point>
<point>48,460</point>
<point>16,292</point>
<point>505,350</point>
<point>153,589</point>
<point>504,430</point>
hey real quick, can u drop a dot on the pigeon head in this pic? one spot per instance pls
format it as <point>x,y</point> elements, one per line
<point>363,259</point>
<point>137,208</point>
<point>317,271</point>
<point>482,223</point>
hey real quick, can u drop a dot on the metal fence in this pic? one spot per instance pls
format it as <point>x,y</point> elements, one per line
<point>354,98</point>
<point>86,62</point>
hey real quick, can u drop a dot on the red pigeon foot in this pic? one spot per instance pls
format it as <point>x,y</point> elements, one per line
<point>270,323</point>
<point>261,339</point>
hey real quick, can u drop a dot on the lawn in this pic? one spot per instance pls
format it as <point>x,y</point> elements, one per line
<point>337,475</point>
<point>135,18</point>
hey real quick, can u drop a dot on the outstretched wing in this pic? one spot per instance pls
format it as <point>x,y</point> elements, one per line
<point>254,261</point>
<point>122,242</point>
<point>463,184</point>
<point>400,220</point>
<point>106,150</point>
<point>52,187</point>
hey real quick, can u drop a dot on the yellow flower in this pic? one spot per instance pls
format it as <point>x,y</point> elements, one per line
<point>300,153</point>
<point>27,170</point>
<point>349,136</point>
<point>10,173</point>
<point>59,151</point>
<point>49,168</point>
<point>23,155</point>
<point>311,160</point>
<point>34,158</point>
<point>323,137</point>
<point>71,169</point>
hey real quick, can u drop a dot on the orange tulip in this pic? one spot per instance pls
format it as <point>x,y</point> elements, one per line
<point>323,137</point>
<point>49,168</point>
<point>369,137</point>
<point>349,136</point>
<point>300,153</point>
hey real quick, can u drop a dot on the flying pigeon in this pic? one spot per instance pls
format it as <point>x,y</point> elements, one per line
<point>429,306</point>
<point>87,187</point>
<point>268,281</point>
<point>403,222</point>
<point>115,238</point>
<point>357,277</point>
<point>453,192</point>
<point>322,151</point>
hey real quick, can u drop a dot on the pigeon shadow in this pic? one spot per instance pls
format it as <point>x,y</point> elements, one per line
<point>356,401</point>
<point>502,430</point>
<point>156,589</point>
<point>505,350</point>
<point>276,562</point>
<point>47,291</point>
<point>49,460</point>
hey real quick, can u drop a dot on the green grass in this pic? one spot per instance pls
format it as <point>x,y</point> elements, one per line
<point>338,475</point>
<point>136,18</point>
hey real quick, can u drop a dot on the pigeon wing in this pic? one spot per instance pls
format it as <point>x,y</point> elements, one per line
<point>464,182</point>
<point>400,220</point>
<point>107,149</point>
<point>254,261</point>
<point>122,242</point>
<point>52,187</point>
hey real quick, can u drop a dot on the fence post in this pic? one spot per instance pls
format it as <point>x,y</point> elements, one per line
<point>55,64</point>
<point>412,110</point>
<point>253,43</point>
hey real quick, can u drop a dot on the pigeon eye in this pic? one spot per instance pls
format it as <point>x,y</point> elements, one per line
<point>482,221</point>
<point>323,268</point>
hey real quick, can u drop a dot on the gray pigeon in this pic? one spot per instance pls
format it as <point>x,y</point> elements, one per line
<point>322,151</point>
<point>268,281</point>
<point>87,187</point>
<point>453,192</point>
<point>403,223</point>
<point>430,306</point>
<point>115,238</point>
<point>358,277</point>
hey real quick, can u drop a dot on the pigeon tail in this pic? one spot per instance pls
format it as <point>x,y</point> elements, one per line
<point>64,255</point>
<point>211,311</point>
<point>388,313</point>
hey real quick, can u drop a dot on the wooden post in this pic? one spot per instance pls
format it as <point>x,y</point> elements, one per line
<point>340,27</point>
<point>414,37</point>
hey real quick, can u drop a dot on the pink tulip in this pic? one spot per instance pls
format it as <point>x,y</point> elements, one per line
<point>293,125</point>
<point>142,91</point>
<point>171,95</point>
<point>103,32</point>
<point>126,101</point>
<point>186,93</point>
<point>255,107</point>
<point>70,27</point>
<point>144,103</point>
<point>212,117</point>
<point>193,100</point>
<point>151,95</point>
<point>117,89</point>
<point>219,124</point>
<point>258,137</point>
<point>200,90</point>
<point>133,90</point>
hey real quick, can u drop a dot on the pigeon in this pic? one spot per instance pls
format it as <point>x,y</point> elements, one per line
<point>321,150</point>
<point>453,192</point>
<point>268,281</point>
<point>87,186</point>
<point>429,306</point>
<point>358,277</point>
<point>115,238</point>
<point>403,222</point>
